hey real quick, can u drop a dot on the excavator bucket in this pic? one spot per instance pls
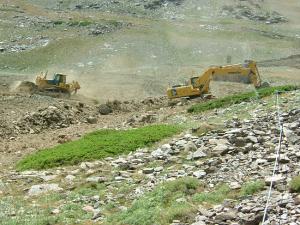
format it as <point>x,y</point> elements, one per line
<point>246,73</point>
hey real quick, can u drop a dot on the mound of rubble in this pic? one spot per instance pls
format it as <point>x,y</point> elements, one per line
<point>254,14</point>
<point>22,114</point>
<point>133,105</point>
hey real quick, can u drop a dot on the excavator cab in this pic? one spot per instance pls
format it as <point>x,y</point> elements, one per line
<point>193,81</point>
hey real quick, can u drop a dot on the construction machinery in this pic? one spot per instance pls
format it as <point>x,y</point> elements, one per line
<point>57,87</point>
<point>198,86</point>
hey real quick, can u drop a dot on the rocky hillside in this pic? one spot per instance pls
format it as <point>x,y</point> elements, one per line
<point>233,163</point>
<point>134,49</point>
<point>119,152</point>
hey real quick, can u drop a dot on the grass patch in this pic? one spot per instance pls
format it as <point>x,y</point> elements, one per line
<point>82,23</point>
<point>217,196</point>
<point>295,184</point>
<point>238,98</point>
<point>160,206</point>
<point>97,145</point>
<point>251,188</point>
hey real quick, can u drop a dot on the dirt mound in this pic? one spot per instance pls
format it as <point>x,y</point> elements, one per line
<point>26,87</point>
<point>22,114</point>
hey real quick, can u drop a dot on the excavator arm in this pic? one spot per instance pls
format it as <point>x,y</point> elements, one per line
<point>197,86</point>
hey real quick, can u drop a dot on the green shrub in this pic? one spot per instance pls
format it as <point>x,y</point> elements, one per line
<point>253,187</point>
<point>82,23</point>
<point>238,98</point>
<point>295,184</point>
<point>58,22</point>
<point>160,206</point>
<point>97,145</point>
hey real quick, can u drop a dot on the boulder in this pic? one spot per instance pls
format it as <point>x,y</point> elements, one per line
<point>104,109</point>
<point>43,188</point>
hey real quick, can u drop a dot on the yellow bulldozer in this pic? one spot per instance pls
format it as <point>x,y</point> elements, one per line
<point>198,86</point>
<point>57,87</point>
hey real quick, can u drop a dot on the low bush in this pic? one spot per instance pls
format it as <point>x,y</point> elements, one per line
<point>251,188</point>
<point>217,196</point>
<point>97,145</point>
<point>238,98</point>
<point>82,23</point>
<point>295,184</point>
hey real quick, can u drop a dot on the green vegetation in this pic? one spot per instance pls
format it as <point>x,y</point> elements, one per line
<point>98,145</point>
<point>28,213</point>
<point>82,23</point>
<point>160,206</point>
<point>238,98</point>
<point>251,188</point>
<point>295,184</point>
<point>58,22</point>
<point>217,196</point>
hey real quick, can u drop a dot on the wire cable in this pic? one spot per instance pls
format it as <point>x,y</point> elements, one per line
<point>276,165</point>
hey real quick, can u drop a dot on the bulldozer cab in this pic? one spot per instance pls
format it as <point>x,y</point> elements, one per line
<point>59,78</point>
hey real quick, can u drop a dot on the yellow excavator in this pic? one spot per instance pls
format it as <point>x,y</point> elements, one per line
<point>57,87</point>
<point>198,86</point>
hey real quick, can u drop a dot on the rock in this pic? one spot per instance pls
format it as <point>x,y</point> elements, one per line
<point>220,149</point>
<point>180,200</point>
<point>70,178</point>
<point>104,109</point>
<point>166,147</point>
<point>272,157</point>
<point>224,216</point>
<point>253,139</point>
<point>190,147</point>
<point>181,143</point>
<point>198,154</point>
<point>148,170</point>
<point>239,141</point>
<point>91,120</point>
<point>159,154</point>
<point>83,166</point>
<point>261,161</point>
<point>204,212</point>
<point>158,169</point>
<point>43,188</point>
<point>96,179</point>
<point>97,214</point>
<point>119,178</point>
<point>199,174</point>
<point>284,158</point>
<point>252,219</point>
<point>276,179</point>
<point>199,223</point>
<point>55,211</point>
<point>234,185</point>
<point>88,208</point>
<point>218,141</point>
<point>48,177</point>
<point>297,200</point>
